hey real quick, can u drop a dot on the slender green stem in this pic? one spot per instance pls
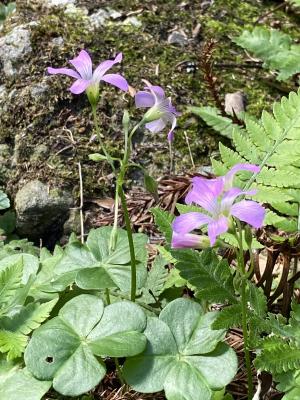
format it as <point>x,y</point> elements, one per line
<point>107,295</point>
<point>107,155</point>
<point>119,372</point>
<point>243,273</point>
<point>130,242</point>
<point>171,156</point>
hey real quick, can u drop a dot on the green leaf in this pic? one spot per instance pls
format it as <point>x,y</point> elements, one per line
<point>289,383</point>
<point>95,267</point>
<point>211,115</point>
<point>156,280</point>
<point>183,356</point>
<point>10,281</point>
<point>209,275</point>
<point>4,201</point>
<point>164,222</point>
<point>83,329</point>
<point>151,185</point>
<point>274,47</point>
<point>20,384</point>
<point>278,356</point>
<point>13,330</point>
<point>229,317</point>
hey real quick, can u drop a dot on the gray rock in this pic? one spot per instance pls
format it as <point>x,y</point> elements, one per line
<point>235,102</point>
<point>58,3</point>
<point>39,91</point>
<point>41,211</point>
<point>40,153</point>
<point>3,93</point>
<point>178,38</point>
<point>102,17</point>
<point>13,48</point>
<point>58,41</point>
<point>132,21</point>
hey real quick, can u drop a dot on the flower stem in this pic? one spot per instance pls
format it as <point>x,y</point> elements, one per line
<point>243,273</point>
<point>107,155</point>
<point>130,242</point>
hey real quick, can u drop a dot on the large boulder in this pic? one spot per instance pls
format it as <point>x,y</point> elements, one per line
<point>41,211</point>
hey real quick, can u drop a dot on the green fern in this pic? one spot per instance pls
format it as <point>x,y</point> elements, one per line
<point>229,317</point>
<point>278,356</point>
<point>14,330</point>
<point>274,144</point>
<point>210,276</point>
<point>211,115</point>
<point>10,281</point>
<point>275,48</point>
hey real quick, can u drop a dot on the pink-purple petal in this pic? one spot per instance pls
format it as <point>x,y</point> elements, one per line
<point>79,86</point>
<point>186,223</point>
<point>156,126</point>
<point>187,240</point>
<point>230,196</point>
<point>171,132</point>
<point>216,228</point>
<point>116,80</point>
<point>105,66</point>
<point>83,65</point>
<point>204,193</point>
<point>63,71</point>
<point>144,99</point>
<point>228,178</point>
<point>250,212</point>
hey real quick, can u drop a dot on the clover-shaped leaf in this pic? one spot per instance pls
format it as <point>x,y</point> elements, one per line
<point>96,267</point>
<point>64,349</point>
<point>184,355</point>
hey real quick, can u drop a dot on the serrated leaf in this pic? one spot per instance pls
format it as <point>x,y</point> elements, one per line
<point>163,220</point>
<point>10,281</point>
<point>229,317</point>
<point>209,275</point>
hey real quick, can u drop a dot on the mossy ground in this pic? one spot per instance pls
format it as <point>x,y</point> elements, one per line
<point>146,55</point>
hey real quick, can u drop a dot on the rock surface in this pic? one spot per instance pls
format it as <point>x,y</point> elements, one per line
<point>13,48</point>
<point>235,102</point>
<point>41,211</point>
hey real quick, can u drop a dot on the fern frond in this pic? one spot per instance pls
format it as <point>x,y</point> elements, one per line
<point>229,317</point>
<point>12,343</point>
<point>28,318</point>
<point>210,276</point>
<point>211,115</point>
<point>10,281</point>
<point>278,356</point>
<point>274,47</point>
<point>273,143</point>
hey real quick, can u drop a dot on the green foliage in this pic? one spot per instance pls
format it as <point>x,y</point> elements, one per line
<point>184,356</point>
<point>93,266</point>
<point>15,329</point>
<point>281,351</point>
<point>272,143</point>
<point>210,276</point>
<point>163,220</point>
<point>156,280</point>
<point>83,330</point>
<point>5,10</point>
<point>289,383</point>
<point>17,383</point>
<point>275,48</point>
<point>211,115</point>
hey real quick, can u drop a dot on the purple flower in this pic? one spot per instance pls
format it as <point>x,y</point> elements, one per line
<point>217,197</point>
<point>86,79</point>
<point>161,110</point>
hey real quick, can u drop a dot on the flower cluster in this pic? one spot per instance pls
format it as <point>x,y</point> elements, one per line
<point>217,197</point>
<point>161,110</point>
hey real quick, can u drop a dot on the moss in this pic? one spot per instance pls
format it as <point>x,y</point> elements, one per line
<point>145,51</point>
